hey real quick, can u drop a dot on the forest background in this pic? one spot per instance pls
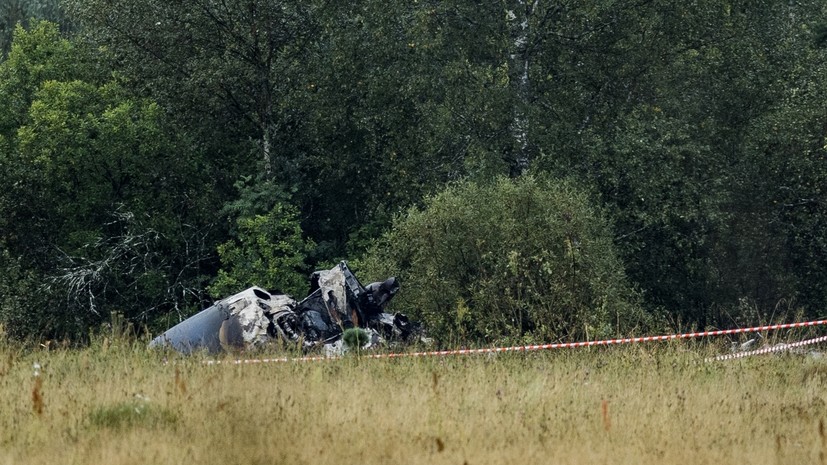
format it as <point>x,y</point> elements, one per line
<point>531,170</point>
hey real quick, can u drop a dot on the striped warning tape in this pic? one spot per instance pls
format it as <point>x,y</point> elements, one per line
<point>767,350</point>
<point>535,347</point>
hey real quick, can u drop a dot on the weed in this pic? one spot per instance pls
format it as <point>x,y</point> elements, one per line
<point>137,413</point>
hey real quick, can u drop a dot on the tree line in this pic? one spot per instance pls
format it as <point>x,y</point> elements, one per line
<point>155,155</point>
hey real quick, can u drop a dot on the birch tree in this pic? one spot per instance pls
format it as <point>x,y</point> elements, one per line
<point>519,63</point>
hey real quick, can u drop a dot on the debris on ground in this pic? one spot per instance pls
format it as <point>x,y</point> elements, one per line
<point>337,305</point>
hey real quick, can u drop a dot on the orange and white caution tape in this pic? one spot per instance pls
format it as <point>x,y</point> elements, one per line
<point>535,347</point>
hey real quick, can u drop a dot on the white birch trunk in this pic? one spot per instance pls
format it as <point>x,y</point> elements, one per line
<point>519,64</point>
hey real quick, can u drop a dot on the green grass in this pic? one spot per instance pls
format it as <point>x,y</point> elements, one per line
<point>120,404</point>
<point>137,413</point>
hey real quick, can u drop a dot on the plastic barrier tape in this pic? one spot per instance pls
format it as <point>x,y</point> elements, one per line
<point>558,345</point>
<point>767,350</point>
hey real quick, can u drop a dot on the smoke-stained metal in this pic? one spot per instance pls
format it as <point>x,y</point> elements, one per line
<point>255,318</point>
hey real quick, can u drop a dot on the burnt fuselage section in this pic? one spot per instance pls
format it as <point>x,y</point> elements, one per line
<point>255,318</point>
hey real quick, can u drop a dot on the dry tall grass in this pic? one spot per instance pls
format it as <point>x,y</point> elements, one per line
<point>661,404</point>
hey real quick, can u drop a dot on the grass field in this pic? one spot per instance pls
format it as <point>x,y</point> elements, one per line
<point>120,404</point>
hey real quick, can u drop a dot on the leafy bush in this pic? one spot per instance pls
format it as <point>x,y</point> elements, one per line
<point>517,259</point>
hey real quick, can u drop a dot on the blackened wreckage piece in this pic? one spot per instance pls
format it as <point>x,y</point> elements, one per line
<point>255,318</point>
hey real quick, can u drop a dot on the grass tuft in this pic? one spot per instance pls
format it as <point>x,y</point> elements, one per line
<point>131,414</point>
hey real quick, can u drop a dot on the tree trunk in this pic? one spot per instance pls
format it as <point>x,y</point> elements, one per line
<point>519,63</point>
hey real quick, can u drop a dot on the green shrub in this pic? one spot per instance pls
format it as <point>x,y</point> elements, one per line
<point>517,260</point>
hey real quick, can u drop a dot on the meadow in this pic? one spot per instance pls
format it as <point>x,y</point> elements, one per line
<point>118,404</point>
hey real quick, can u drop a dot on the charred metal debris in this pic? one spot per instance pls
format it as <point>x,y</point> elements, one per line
<point>338,312</point>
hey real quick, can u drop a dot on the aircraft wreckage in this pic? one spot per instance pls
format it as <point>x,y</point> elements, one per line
<point>255,318</point>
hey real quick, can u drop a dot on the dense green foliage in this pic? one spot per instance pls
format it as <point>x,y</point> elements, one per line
<point>519,259</point>
<point>103,208</point>
<point>151,151</point>
<point>14,12</point>
<point>269,252</point>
